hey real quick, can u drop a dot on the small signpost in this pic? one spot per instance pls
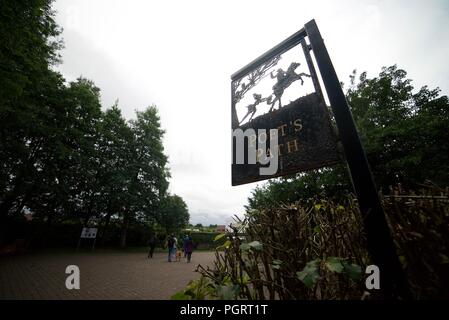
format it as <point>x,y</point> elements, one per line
<point>88,233</point>
<point>304,135</point>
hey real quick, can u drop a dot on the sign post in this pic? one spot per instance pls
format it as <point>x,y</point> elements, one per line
<point>379,241</point>
<point>308,141</point>
<point>88,233</point>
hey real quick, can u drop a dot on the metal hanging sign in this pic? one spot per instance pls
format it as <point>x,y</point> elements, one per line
<point>278,98</point>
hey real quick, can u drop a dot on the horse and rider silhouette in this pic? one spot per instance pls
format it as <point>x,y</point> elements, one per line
<point>284,80</point>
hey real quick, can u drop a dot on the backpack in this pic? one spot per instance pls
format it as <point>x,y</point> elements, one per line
<point>170,242</point>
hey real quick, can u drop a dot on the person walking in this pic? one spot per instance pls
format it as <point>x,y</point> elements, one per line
<point>184,241</point>
<point>175,246</point>
<point>188,248</point>
<point>171,245</point>
<point>152,244</point>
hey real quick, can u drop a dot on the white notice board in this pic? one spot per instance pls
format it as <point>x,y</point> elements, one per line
<point>89,233</point>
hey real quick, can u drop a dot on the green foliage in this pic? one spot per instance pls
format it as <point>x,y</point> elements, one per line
<point>296,261</point>
<point>309,275</point>
<point>195,290</point>
<point>275,253</point>
<point>61,156</point>
<point>219,236</point>
<point>401,129</point>
<point>256,245</point>
<point>225,245</point>
<point>276,264</point>
<point>204,288</point>
<point>352,270</point>
<point>326,182</point>
<point>173,213</point>
<point>207,240</point>
<point>311,272</point>
<point>29,44</point>
<point>334,264</point>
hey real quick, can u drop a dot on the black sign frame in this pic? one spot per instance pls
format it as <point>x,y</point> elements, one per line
<point>317,142</point>
<point>379,241</point>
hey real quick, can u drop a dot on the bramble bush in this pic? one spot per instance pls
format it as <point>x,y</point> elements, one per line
<point>317,251</point>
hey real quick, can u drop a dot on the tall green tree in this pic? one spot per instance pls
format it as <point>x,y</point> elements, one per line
<point>115,145</point>
<point>29,44</point>
<point>401,130</point>
<point>69,181</point>
<point>29,97</point>
<point>147,170</point>
<point>173,213</point>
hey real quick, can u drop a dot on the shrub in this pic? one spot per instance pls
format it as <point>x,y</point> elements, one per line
<point>303,251</point>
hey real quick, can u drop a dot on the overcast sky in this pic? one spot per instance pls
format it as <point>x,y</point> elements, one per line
<point>179,55</point>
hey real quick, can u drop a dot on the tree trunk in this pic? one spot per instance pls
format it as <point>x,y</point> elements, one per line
<point>107,219</point>
<point>105,227</point>
<point>124,230</point>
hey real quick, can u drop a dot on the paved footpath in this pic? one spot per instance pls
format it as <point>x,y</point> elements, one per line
<point>102,275</point>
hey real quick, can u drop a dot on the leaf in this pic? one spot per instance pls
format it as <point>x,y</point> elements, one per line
<point>256,245</point>
<point>227,244</point>
<point>444,258</point>
<point>353,271</point>
<point>245,247</point>
<point>245,279</point>
<point>276,264</point>
<point>190,291</point>
<point>309,275</point>
<point>334,264</point>
<point>403,261</point>
<point>316,229</point>
<point>219,236</point>
<point>228,292</point>
<point>180,296</point>
<point>416,234</point>
<point>318,206</point>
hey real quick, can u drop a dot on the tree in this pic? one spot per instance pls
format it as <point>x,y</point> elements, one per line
<point>115,149</point>
<point>29,45</point>
<point>147,172</point>
<point>29,97</point>
<point>401,130</point>
<point>68,180</point>
<point>174,214</point>
<point>61,156</point>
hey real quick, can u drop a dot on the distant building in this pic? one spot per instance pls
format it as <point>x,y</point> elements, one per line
<point>220,228</point>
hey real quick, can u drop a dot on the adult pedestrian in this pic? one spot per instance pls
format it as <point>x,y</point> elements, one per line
<point>171,245</point>
<point>188,248</point>
<point>184,241</point>
<point>152,244</point>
